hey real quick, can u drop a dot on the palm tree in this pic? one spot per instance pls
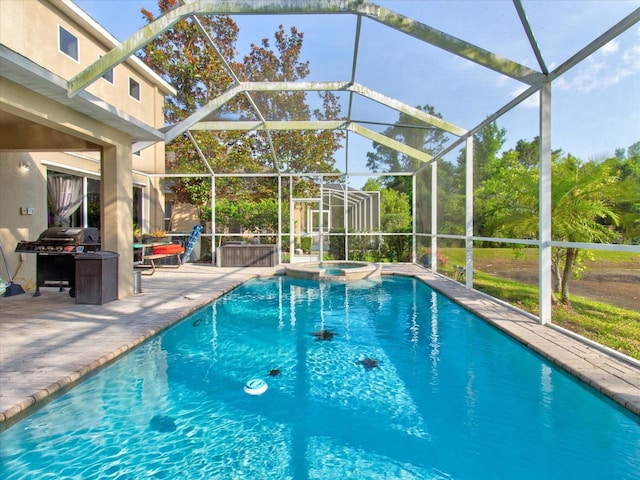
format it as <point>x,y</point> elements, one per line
<point>583,209</point>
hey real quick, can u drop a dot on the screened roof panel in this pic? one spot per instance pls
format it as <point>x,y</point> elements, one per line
<point>491,25</point>
<point>423,74</point>
<point>330,56</point>
<point>460,77</point>
<point>569,25</point>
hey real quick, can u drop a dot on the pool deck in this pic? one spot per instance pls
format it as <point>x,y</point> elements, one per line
<point>48,343</point>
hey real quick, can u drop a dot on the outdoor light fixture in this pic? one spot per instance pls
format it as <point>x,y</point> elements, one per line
<point>24,166</point>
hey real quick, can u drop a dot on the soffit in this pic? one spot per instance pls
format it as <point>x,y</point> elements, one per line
<point>26,73</point>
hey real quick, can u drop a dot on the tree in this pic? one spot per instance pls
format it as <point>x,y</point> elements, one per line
<point>395,217</point>
<point>583,204</point>
<point>296,150</point>
<point>628,201</point>
<point>414,133</point>
<point>182,56</point>
<point>634,150</point>
<point>487,143</point>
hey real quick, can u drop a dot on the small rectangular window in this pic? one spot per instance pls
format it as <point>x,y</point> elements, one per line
<point>108,75</point>
<point>68,43</point>
<point>134,89</point>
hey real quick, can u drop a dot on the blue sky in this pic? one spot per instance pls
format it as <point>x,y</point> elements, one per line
<point>595,106</point>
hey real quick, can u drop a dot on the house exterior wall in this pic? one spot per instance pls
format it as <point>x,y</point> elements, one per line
<point>30,27</point>
<point>81,145</point>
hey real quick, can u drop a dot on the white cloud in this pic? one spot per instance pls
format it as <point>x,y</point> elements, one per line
<point>611,47</point>
<point>531,102</point>
<point>602,70</point>
<point>631,58</point>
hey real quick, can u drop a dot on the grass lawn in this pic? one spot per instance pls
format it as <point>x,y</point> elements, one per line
<point>614,327</point>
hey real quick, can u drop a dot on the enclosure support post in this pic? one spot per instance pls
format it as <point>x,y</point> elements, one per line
<point>469,214</point>
<point>544,275</point>
<point>320,222</point>
<point>214,260</point>
<point>345,212</point>
<point>279,246</point>
<point>434,216</point>
<point>414,256</point>
<point>292,238</point>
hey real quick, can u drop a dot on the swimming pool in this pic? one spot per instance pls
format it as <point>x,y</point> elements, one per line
<point>450,397</point>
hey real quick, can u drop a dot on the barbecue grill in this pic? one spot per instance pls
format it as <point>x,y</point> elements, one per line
<point>56,249</point>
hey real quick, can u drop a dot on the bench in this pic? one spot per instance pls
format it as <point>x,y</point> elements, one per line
<point>162,251</point>
<point>156,256</point>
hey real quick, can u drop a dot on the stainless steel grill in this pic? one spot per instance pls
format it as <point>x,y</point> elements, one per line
<point>56,249</point>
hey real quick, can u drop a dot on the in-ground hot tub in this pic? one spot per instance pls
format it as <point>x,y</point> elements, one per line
<point>333,270</point>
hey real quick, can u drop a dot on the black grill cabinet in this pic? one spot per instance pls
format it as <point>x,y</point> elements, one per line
<point>96,277</point>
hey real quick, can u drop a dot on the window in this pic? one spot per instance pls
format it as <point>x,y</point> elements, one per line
<point>85,208</point>
<point>138,196</point>
<point>108,75</point>
<point>73,200</point>
<point>134,89</point>
<point>68,43</point>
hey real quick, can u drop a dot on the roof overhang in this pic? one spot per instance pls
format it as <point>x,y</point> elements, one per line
<point>24,72</point>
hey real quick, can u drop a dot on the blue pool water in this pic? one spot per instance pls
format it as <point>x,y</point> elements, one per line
<point>450,398</point>
<point>332,271</point>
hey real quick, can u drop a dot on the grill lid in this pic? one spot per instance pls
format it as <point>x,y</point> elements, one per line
<point>69,235</point>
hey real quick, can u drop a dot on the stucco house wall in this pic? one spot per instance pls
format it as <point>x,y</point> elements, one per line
<point>36,129</point>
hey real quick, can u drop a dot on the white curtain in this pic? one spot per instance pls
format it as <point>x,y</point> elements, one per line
<point>65,196</point>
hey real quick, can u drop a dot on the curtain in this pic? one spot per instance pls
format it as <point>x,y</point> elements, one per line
<point>65,196</point>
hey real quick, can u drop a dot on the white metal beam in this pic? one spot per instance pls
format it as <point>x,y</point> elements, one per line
<point>406,109</point>
<point>468,209</point>
<point>190,8</point>
<point>181,127</point>
<point>544,193</point>
<point>389,142</point>
<point>532,39</point>
<point>270,125</point>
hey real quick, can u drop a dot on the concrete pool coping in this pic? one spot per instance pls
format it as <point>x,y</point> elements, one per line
<point>48,343</point>
<point>349,270</point>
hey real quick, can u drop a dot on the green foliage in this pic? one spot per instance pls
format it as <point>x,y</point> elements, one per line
<point>486,145</point>
<point>305,244</point>
<point>397,248</point>
<point>395,217</point>
<point>395,211</point>
<point>414,133</point>
<point>364,248</point>
<point>246,216</point>
<point>634,151</point>
<point>585,204</point>
<point>337,244</point>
